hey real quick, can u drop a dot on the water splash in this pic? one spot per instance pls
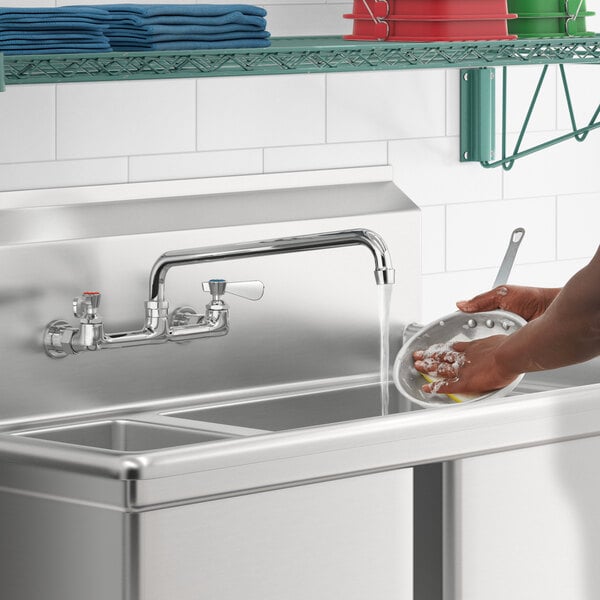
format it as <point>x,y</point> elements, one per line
<point>385,297</point>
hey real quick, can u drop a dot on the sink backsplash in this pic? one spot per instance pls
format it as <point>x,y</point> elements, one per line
<point>317,320</point>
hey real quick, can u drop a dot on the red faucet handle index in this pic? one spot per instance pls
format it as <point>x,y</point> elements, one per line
<point>86,304</point>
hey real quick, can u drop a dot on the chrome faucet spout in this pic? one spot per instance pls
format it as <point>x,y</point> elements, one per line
<point>384,273</point>
<point>61,339</point>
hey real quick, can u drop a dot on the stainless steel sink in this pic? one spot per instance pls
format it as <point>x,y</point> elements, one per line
<point>123,436</point>
<point>294,412</point>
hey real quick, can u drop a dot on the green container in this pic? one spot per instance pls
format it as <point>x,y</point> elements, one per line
<point>533,7</point>
<point>548,18</point>
<point>548,26</point>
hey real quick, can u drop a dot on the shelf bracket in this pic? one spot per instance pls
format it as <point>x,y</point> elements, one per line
<point>477,114</point>
<point>474,133</point>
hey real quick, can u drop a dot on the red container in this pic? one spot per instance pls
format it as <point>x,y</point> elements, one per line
<point>430,31</point>
<point>431,9</point>
<point>430,20</point>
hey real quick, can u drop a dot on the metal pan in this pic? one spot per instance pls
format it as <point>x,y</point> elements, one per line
<point>456,327</point>
<point>452,328</point>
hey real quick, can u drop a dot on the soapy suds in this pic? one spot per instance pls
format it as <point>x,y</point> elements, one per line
<point>436,385</point>
<point>442,363</point>
<point>502,291</point>
<point>452,363</point>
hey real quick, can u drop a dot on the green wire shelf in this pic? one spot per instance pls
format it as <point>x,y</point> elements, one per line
<point>294,55</point>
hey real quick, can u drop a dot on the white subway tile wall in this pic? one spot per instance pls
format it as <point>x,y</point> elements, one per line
<point>195,164</point>
<point>385,105</point>
<point>325,156</point>
<point>578,219</point>
<point>27,123</point>
<point>86,134</point>
<point>480,232</point>
<point>429,171</point>
<point>433,239</point>
<point>63,173</point>
<point>253,112</point>
<point>125,118</point>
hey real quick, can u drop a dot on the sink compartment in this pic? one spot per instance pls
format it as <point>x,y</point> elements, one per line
<point>294,412</point>
<point>124,436</point>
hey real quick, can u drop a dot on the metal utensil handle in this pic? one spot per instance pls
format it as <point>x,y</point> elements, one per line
<point>516,237</point>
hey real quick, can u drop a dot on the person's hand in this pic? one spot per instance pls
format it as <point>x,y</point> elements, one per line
<point>464,367</point>
<point>528,302</point>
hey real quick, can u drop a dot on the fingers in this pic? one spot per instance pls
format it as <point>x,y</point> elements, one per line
<point>440,353</point>
<point>438,369</point>
<point>490,300</point>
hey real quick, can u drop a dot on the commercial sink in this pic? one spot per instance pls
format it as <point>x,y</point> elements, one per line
<point>123,436</point>
<point>298,411</point>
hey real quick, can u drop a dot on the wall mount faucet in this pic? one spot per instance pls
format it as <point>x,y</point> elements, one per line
<point>61,339</point>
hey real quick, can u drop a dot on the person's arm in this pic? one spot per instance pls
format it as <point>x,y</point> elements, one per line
<point>568,332</point>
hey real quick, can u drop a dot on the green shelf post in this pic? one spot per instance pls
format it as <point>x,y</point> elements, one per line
<point>477,114</point>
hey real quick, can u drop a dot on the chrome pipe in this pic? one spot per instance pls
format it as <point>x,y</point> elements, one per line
<point>384,273</point>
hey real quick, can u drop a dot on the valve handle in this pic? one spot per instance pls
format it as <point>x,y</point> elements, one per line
<point>250,290</point>
<point>87,304</point>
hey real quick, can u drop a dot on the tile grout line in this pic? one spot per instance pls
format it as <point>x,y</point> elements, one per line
<point>446,102</point>
<point>556,227</point>
<point>56,122</point>
<point>196,110</point>
<point>556,100</point>
<point>325,108</point>
<point>445,238</point>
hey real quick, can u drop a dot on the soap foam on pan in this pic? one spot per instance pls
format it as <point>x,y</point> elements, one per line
<point>457,362</point>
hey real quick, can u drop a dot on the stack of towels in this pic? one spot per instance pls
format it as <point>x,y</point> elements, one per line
<point>131,27</point>
<point>186,26</point>
<point>53,30</point>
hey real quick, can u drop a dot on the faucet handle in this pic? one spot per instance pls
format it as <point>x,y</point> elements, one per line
<point>250,290</point>
<point>87,305</point>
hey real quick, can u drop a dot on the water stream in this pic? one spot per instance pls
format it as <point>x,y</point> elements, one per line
<point>385,296</point>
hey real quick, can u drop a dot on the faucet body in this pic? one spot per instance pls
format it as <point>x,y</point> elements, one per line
<point>60,339</point>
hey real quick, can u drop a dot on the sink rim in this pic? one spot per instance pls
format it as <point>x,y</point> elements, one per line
<point>31,434</point>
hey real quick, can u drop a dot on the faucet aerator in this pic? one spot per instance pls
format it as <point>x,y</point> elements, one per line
<point>385,276</point>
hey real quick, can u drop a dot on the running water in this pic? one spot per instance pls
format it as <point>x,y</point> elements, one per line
<point>385,296</point>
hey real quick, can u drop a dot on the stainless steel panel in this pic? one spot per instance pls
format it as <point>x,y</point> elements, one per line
<point>123,436</point>
<point>349,539</point>
<point>318,318</point>
<point>305,410</point>
<point>51,550</point>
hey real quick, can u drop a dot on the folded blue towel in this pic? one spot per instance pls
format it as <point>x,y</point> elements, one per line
<point>245,43</point>
<point>57,50</point>
<point>52,26</point>
<point>206,37</point>
<point>185,10</point>
<point>52,36</point>
<point>181,29</point>
<point>48,45</point>
<point>55,13</point>
<point>231,17</point>
<point>61,37</point>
